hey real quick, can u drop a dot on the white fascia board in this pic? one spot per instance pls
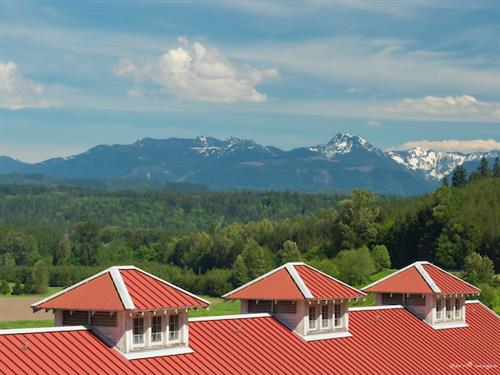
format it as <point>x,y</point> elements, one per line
<point>164,352</point>
<point>69,288</point>
<point>253,281</point>
<point>334,279</point>
<point>229,317</point>
<point>390,275</point>
<point>325,336</point>
<point>167,283</point>
<point>427,278</point>
<point>121,288</point>
<point>18,331</point>
<point>298,281</point>
<point>449,325</point>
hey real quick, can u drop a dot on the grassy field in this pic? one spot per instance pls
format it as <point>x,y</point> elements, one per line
<point>26,324</point>
<point>50,290</point>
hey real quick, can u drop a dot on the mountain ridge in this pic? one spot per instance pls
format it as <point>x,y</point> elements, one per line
<point>346,162</point>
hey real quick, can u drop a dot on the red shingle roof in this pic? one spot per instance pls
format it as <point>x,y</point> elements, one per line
<point>121,288</point>
<point>294,281</point>
<point>387,340</point>
<point>421,278</point>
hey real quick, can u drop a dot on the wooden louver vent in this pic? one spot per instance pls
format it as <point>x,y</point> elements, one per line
<point>75,318</point>
<point>104,319</point>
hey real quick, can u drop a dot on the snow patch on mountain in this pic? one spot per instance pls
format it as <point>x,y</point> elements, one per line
<point>343,143</point>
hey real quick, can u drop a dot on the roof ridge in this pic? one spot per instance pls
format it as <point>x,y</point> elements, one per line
<point>290,267</point>
<point>229,317</point>
<point>16,331</point>
<point>452,275</point>
<point>254,281</point>
<point>169,284</point>
<point>74,286</point>
<point>393,274</point>
<point>334,279</point>
<point>427,278</point>
<point>121,288</point>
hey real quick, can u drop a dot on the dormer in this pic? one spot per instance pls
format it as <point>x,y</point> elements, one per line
<point>139,314</point>
<point>311,303</point>
<point>429,292</point>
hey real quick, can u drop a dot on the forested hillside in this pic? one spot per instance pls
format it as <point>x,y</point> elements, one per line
<point>212,242</point>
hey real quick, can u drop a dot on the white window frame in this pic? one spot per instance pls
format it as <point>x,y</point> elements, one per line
<point>143,334</point>
<point>448,309</point>
<point>161,333</point>
<point>313,322</point>
<point>337,318</point>
<point>179,333</point>
<point>457,314</point>
<point>439,310</point>
<point>328,317</point>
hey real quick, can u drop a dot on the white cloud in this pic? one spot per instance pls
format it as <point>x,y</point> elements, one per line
<point>461,108</point>
<point>196,72</point>
<point>356,90</point>
<point>472,145</point>
<point>17,92</point>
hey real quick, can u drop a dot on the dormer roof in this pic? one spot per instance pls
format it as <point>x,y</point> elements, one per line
<point>295,281</point>
<point>121,288</point>
<point>421,278</point>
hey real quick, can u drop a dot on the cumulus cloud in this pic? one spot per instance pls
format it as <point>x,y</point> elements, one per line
<point>462,108</point>
<point>17,92</point>
<point>472,145</point>
<point>196,72</point>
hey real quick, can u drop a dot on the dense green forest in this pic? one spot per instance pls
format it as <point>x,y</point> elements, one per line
<point>211,242</point>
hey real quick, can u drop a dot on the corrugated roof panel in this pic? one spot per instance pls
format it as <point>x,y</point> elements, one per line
<point>388,341</point>
<point>325,287</point>
<point>148,292</point>
<point>96,294</point>
<point>406,281</point>
<point>448,283</point>
<point>277,286</point>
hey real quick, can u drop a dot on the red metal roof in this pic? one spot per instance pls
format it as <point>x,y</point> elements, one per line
<point>148,292</point>
<point>278,285</point>
<point>407,281</point>
<point>447,283</point>
<point>388,341</point>
<point>421,278</point>
<point>294,281</point>
<point>121,288</point>
<point>323,286</point>
<point>96,294</point>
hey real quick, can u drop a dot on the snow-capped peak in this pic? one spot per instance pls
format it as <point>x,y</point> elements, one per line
<point>343,143</point>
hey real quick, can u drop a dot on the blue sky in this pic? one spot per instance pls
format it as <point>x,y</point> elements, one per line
<point>401,74</point>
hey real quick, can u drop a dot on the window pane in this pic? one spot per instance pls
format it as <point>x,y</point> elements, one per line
<point>312,317</point>
<point>448,309</point>
<point>138,331</point>
<point>438,309</point>
<point>156,335</point>
<point>173,327</point>
<point>338,316</point>
<point>324,316</point>
<point>457,308</point>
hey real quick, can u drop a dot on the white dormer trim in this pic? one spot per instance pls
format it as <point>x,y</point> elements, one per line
<point>163,352</point>
<point>324,336</point>
<point>116,276</point>
<point>427,277</point>
<point>298,281</point>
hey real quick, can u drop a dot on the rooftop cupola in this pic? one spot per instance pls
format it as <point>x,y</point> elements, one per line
<point>434,295</point>
<point>139,314</point>
<point>306,300</point>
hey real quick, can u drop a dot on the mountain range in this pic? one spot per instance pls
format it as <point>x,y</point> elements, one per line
<point>347,161</point>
